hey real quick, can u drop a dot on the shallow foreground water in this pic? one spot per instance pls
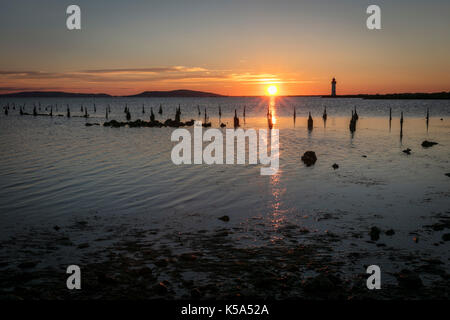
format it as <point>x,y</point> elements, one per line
<point>111,199</point>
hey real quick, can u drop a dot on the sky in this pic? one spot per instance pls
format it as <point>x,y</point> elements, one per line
<point>230,47</point>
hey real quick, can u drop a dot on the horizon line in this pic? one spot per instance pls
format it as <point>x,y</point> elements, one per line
<point>217,95</point>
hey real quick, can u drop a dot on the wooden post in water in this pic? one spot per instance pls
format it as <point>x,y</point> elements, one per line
<point>353,123</point>
<point>236,119</point>
<point>390,118</point>
<point>270,121</point>
<point>178,114</point>
<point>401,126</point>
<point>152,116</point>
<point>310,122</point>
<point>428,117</point>
<point>295,115</point>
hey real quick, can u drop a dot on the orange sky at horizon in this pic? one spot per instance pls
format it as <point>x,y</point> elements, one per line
<point>233,47</point>
<point>136,80</point>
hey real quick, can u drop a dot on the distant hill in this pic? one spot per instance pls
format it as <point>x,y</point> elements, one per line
<point>52,94</point>
<point>145,94</point>
<point>392,96</point>
<point>177,94</point>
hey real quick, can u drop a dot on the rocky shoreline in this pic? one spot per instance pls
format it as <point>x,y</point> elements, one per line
<point>128,262</point>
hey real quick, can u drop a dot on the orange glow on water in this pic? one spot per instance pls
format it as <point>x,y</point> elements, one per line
<point>272,109</point>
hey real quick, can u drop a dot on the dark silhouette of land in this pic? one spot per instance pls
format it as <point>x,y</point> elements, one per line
<point>176,93</point>
<point>393,96</point>
<point>145,94</point>
<point>201,94</point>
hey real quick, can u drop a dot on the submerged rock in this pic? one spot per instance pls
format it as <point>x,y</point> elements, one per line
<point>407,151</point>
<point>188,257</point>
<point>309,158</point>
<point>160,288</point>
<point>196,293</point>
<point>28,264</point>
<point>374,233</point>
<point>225,218</point>
<point>106,278</point>
<point>335,166</point>
<point>323,283</point>
<point>409,280</point>
<point>448,174</point>
<point>446,237</point>
<point>427,144</point>
<point>390,232</point>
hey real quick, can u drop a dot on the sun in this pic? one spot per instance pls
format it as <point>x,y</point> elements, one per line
<point>272,90</point>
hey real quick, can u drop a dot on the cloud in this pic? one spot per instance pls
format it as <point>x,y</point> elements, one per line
<point>135,70</point>
<point>171,76</point>
<point>115,75</point>
<point>9,89</point>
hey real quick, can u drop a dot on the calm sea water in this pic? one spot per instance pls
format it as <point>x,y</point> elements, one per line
<point>53,170</point>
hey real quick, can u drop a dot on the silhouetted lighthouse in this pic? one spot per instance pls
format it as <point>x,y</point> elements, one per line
<point>333,87</point>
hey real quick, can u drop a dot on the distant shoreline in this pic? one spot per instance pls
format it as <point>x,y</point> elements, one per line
<point>201,94</point>
<point>395,96</point>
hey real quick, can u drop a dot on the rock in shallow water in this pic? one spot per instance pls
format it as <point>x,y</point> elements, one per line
<point>322,283</point>
<point>374,233</point>
<point>83,246</point>
<point>309,158</point>
<point>427,144</point>
<point>225,218</point>
<point>28,264</point>
<point>409,280</point>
